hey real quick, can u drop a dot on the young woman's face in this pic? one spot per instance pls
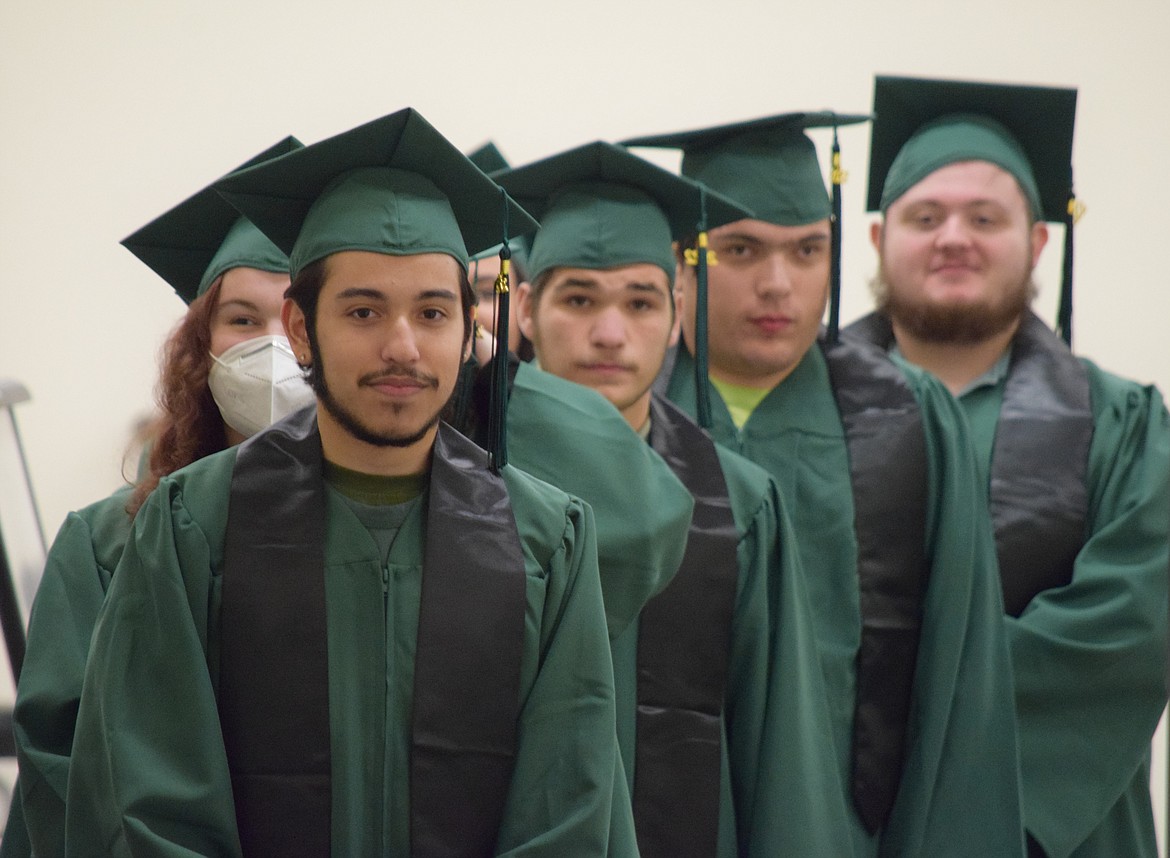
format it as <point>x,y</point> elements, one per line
<point>249,306</point>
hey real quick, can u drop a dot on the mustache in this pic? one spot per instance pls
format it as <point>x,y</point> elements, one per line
<point>396,372</point>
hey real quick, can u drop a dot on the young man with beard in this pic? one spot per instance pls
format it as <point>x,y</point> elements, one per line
<point>355,635</point>
<point>1076,461</point>
<point>877,472</point>
<point>721,708</point>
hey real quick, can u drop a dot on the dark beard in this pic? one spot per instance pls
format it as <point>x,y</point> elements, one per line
<point>349,421</point>
<point>965,325</point>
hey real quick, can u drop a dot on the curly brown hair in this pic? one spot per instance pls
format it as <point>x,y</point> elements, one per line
<point>190,425</point>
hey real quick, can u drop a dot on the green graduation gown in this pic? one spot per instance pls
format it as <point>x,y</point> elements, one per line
<point>1088,648</point>
<point>557,429</point>
<point>780,791</point>
<point>1090,656</point>
<point>73,586</point>
<point>150,773</point>
<point>958,794</point>
<point>572,437</point>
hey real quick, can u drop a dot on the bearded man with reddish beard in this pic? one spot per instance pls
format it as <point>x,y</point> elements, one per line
<point>1075,461</point>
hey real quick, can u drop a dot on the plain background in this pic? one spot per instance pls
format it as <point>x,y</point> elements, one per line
<point>112,112</point>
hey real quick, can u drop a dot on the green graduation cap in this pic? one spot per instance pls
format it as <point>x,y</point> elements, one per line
<point>771,166</point>
<point>488,158</point>
<point>202,237</point>
<point>394,185</point>
<point>602,207</point>
<point>923,125</point>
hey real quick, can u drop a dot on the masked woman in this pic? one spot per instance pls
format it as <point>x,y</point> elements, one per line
<point>227,372</point>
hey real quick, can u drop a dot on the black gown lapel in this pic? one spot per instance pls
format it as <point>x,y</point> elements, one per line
<point>273,690</point>
<point>684,644</point>
<point>1039,465</point>
<point>888,465</point>
<point>467,667</point>
<point>1039,461</point>
<point>274,682</point>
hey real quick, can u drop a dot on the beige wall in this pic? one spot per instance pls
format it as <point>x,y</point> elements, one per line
<point>111,112</point>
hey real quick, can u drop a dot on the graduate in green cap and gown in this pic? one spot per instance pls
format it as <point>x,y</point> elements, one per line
<point>358,633</point>
<point>227,371</point>
<point>877,472</point>
<point>559,431</point>
<point>722,715</point>
<point>1075,460</point>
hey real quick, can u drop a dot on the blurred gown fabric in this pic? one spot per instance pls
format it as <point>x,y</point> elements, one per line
<point>780,793</point>
<point>958,794</point>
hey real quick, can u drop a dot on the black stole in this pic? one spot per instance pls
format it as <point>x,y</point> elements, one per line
<point>888,465</point>
<point>684,644</point>
<point>888,469</point>
<point>1039,466</point>
<point>1039,461</point>
<point>273,677</point>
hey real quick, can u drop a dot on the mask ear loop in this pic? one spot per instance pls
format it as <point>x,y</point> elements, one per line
<point>498,409</point>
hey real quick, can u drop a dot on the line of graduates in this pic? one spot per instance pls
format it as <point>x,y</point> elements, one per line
<point>704,577</point>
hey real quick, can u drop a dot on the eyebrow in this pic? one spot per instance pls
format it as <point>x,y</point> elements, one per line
<point>379,295</point>
<point>745,238</point>
<point>737,236</point>
<point>576,283</point>
<point>240,302</point>
<point>646,287</point>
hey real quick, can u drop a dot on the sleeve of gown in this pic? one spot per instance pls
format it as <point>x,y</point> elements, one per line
<point>149,773</point>
<point>960,790</point>
<point>788,795</point>
<point>1090,657</point>
<point>561,798</point>
<point>70,594</point>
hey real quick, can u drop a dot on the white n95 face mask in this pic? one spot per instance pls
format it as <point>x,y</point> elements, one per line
<point>257,382</point>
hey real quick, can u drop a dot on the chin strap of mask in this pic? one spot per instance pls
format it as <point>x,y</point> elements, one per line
<point>1064,314</point>
<point>498,410</point>
<point>837,176</point>
<point>702,391</point>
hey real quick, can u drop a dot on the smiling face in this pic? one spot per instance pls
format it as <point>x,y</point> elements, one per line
<point>957,252</point>
<point>387,347</point>
<point>766,296</point>
<point>607,329</point>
